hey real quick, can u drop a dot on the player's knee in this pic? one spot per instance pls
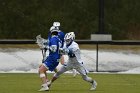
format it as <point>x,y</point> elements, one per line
<point>42,69</point>
<point>56,75</point>
<point>42,75</point>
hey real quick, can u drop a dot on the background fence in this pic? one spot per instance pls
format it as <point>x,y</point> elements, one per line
<point>98,56</point>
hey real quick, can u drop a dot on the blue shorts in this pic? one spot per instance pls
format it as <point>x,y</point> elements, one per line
<point>51,63</point>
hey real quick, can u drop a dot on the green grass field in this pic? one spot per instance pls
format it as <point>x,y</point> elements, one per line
<point>107,83</point>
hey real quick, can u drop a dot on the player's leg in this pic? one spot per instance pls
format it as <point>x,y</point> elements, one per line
<point>61,61</point>
<point>83,73</point>
<point>42,72</point>
<point>56,75</point>
<point>49,64</point>
<point>89,79</point>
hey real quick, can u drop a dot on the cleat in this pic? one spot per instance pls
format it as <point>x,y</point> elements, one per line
<point>44,87</point>
<point>94,85</point>
<point>49,83</point>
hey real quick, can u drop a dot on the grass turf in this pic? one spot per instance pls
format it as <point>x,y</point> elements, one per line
<point>107,83</point>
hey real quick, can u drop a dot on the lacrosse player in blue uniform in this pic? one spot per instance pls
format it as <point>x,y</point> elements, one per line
<point>56,25</point>
<point>71,48</point>
<point>45,42</point>
<point>52,61</point>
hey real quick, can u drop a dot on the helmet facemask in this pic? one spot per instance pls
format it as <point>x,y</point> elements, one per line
<point>68,41</point>
<point>69,37</point>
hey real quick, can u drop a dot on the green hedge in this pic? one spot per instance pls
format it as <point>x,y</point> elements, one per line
<point>24,19</point>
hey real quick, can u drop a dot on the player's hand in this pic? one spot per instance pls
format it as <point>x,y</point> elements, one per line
<point>61,51</point>
<point>66,50</point>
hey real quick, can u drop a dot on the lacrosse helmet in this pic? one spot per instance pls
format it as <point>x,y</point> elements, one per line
<point>54,28</point>
<point>69,37</point>
<point>57,24</point>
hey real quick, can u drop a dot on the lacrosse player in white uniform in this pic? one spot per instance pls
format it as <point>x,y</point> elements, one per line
<point>71,48</point>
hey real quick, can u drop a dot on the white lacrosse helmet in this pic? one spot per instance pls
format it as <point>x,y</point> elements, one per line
<point>69,37</point>
<point>57,24</point>
<point>54,28</point>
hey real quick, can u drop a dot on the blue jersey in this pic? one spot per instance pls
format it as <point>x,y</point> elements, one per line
<point>52,60</point>
<point>61,35</point>
<point>55,41</point>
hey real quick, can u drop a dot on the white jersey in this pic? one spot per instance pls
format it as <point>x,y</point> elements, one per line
<point>74,52</point>
<point>74,59</point>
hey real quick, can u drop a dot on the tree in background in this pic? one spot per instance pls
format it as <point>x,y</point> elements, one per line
<point>25,19</point>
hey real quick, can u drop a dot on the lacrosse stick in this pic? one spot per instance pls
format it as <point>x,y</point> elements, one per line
<point>41,42</point>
